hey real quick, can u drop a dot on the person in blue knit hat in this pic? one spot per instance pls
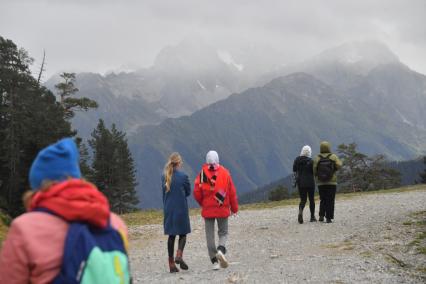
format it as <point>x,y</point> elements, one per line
<point>34,249</point>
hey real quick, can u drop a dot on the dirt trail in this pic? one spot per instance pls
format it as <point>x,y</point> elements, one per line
<point>368,242</point>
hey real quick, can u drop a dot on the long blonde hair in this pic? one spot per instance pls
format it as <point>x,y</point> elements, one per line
<point>174,160</point>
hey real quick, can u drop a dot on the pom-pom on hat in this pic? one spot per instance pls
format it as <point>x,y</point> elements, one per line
<point>56,162</point>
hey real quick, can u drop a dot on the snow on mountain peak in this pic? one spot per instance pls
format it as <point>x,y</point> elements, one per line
<point>370,51</point>
<point>227,58</point>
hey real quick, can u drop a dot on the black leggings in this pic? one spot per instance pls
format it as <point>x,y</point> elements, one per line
<point>304,193</point>
<point>171,243</point>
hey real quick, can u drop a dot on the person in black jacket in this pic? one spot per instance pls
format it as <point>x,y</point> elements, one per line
<point>303,171</point>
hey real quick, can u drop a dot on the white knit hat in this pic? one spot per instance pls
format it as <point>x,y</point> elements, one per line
<point>212,158</point>
<point>306,151</point>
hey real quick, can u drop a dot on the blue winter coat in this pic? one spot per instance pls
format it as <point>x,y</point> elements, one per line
<point>176,214</point>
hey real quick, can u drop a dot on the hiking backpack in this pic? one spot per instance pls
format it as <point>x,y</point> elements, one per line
<point>93,255</point>
<point>325,168</point>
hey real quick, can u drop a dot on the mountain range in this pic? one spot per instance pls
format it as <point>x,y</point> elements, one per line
<point>184,78</point>
<point>358,92</point>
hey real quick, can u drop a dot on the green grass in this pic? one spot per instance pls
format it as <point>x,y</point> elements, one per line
<point>3,227</point>
<point>367,254</point>
<point>418,222</point>
<point>144,217</point>
<point>421,250</point>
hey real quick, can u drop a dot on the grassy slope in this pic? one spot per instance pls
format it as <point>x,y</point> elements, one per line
<point>156,216</point>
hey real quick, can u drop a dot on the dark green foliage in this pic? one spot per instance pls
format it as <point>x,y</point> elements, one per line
<point>30,119</point>
<point>294,194</point>
<point>361,172</point>
<point>409,170</point>
<point>65,90</point>
<point>279,193</point>
<point>423,175</point>
<point>85,168</point>
<point>113,168</point>
<point>354,164</point>
<point>261,194</point>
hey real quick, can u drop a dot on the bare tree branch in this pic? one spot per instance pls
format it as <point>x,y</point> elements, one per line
<point>42,68</point>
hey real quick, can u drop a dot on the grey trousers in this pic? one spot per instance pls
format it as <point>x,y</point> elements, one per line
<point>222,224</point>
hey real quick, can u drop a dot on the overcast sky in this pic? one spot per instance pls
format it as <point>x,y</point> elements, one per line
<point>105,35</point>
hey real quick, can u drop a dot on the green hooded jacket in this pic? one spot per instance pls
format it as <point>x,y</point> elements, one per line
<point>325,149</point>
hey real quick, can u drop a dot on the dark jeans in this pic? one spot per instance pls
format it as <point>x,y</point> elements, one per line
<point>304,193</point>
<point>327,195</point>
<point>171,244</point>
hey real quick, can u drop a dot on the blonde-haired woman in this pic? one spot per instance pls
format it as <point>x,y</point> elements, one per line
<point>176,188</point>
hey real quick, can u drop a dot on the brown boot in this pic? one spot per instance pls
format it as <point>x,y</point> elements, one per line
<point>179,260</point>
<point>172,265</point>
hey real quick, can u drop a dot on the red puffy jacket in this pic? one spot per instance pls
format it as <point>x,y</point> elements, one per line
<point>215,192</point>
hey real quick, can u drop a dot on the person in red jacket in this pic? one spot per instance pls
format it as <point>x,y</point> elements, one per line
<point>216,194</point>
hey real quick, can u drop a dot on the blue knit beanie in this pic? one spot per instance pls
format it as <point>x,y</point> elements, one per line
<point>56,162</point>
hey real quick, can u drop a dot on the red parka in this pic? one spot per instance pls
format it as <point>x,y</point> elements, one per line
<point>209,188</point>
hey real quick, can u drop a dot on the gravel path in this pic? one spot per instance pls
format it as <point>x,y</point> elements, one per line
<point>368,242</point>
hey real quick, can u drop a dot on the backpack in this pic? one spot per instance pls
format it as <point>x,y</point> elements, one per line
<point>93,255</point>
<point>325,168</point>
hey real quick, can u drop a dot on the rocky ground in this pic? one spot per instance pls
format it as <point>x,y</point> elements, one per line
<point>376,238</point>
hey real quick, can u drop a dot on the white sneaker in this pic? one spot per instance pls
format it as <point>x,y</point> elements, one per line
<point>216,266</point>
<point>222,259</point>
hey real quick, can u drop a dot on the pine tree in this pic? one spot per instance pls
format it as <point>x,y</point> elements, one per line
<point>125,197</point>
<point>354,163</point>
<point>102,146</point>
<point>85,168</point>
<point>361,172</point>
<point>70,104</point>
<point>379,175</point>
<point>113,168</point>
<point>30,119</point>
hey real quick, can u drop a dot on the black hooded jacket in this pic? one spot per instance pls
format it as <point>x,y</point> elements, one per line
<point>304,170</point>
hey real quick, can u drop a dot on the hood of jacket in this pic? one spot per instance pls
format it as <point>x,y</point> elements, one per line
<point>325,147</point>
<point>74,200</point>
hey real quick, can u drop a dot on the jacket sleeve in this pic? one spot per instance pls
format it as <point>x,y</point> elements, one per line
<point>295,165</point>
<point>198,196</point>
<point>187,186</point>
<point>338,162</point>
<point>315,165</point>
<point>14,263</point>
<point>233,196</point>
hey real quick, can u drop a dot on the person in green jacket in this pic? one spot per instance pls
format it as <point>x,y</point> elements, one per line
<point>326,164</point>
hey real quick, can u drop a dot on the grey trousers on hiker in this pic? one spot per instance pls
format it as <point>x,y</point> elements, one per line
<point>222,224</point>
